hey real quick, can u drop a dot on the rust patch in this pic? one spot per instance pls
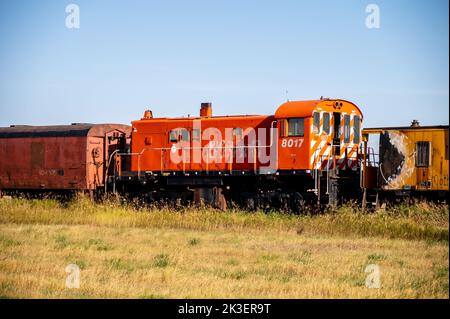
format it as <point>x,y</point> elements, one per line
<point>37,154</point>
<point>397,159</point>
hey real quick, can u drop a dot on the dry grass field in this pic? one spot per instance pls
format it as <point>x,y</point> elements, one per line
<point>123,252</point>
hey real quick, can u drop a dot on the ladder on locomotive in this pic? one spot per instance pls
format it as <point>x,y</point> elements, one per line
<point>326,193</point>
<point>370,196</point>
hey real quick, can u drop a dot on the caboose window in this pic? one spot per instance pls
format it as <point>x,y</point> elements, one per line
<point>296,127</point>
<point>326,123</point>
<point>346,128</point>
<point>316,122</point>
<point>356,130</point>
<point>423,154</point>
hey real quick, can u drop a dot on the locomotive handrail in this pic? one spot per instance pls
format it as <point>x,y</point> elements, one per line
<point>209,147</point>
<point>323,156</point>
<point>113,154</point>
<point>370,151</point>
<point>328,157</point>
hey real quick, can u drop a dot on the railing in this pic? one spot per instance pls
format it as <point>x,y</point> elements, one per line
<point>372,157</point>
<point>163,150</point>
<point>372,160</point>
<point>321,158</point>
<point>331,162</point>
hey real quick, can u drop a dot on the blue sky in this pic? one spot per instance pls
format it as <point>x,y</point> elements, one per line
<point>242,56</point>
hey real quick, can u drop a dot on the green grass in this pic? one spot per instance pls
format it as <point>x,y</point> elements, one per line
<point>194,241</point>
<point>422,221</point>
<point>161,261</point>
<point>126,252</point>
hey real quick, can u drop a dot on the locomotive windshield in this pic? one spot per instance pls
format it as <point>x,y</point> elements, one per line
<point>326,123</point>
<point>316,122</point>
<point>346,128</point>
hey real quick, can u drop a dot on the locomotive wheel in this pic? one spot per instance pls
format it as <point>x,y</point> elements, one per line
<point>250,204</point>
<point>249,201</point>
<point>285,202</point>
<point>297,203</point>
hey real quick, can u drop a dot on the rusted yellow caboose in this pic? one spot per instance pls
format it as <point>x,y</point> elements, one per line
<point>410,160</point>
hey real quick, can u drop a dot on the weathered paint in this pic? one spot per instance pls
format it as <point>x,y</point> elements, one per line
<point>405,169</point>
<point>398,168</point>
<point>56,157</point>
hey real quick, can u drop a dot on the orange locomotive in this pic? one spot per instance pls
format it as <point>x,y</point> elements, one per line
<point>306,151</point>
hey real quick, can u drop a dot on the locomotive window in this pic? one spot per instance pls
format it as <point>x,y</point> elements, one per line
<point>423,154</point>
<point>179,135</point>
<point>283,127</point>
<point>346,128</point>
<point>184,135</point>
<point>237,133</point>
<point>326,123</point>
<point>356,129</point>
<point>173,136</point>
<point>337,125</point>
<point>316,122</point>
<point>296,127</point>
<point>196,134</point>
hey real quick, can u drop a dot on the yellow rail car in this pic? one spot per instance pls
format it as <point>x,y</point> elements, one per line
<point>410,160</point>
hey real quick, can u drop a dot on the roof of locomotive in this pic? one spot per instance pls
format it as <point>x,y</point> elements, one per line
<point>285,110</point>
<point>306,108</point>
<point>75,129</point>
<point>190,118</point>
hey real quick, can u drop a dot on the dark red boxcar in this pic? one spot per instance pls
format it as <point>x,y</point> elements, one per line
<point>66,157</point>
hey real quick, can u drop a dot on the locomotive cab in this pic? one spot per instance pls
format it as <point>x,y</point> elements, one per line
<point>318,134</point>
<point>318,148</point>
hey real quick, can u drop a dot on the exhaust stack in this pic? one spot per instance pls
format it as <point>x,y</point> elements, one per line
<point>148,114</point>
<point>206,110</point>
